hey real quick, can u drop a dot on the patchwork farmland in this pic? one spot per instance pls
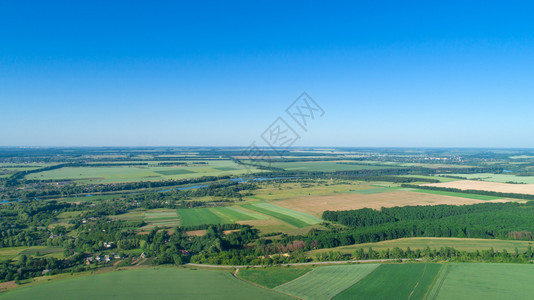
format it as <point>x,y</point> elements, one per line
<point>216,215</point>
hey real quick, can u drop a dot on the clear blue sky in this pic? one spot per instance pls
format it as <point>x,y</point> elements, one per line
<point>454,73</point>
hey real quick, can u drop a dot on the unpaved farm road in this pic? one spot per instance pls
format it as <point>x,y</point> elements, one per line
<point>341,262</point>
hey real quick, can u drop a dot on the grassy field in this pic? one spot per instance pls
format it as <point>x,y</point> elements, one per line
<point>484,281</point>
<point>394,281</point>
<point>295,218</point>
<point>112,174</point>
<point>326,282</point>
<point>436,243</point>
<point>461,195</point>
<point>272,277</point>
<point>166,283</point>
<point>215,215</point>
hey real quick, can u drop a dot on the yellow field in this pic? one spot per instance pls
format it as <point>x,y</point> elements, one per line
<point>315,205</point>
<point>487,186</point>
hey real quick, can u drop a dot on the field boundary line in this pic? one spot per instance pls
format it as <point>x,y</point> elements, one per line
<point>260,286</point>
<point>358,281</point>
<point>415,287</point>
<point>294,279</point>
<point>440,278</point>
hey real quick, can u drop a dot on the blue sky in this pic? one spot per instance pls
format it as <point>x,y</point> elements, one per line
<point>450,74</point>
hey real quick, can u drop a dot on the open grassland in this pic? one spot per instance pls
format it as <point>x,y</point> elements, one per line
<point>463,244</point>
<point>326,166</point>
<point>295,218</point>
<point>166,283</point>
<point>487,186</point>
<point>326,282</point>
<point>283,191</point>
<point>116,174</point>
<point>216,215</point>
<point>484,281</point>
<point>316,205</point>
<point>272,277</point>
<point>394,281</point>
<point>503,178</point>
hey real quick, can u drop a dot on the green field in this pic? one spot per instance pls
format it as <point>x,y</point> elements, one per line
<point>163,283</point>
<point>484,281</point>
<point>292,217</point>
<point>326,282</point>
<point>378,190</point>
<point>215,215</point>
<point>272,277</point>
<point>456,194</point>
<point>113,174</point>
<point>463,244</point>
<point>394,281</point>
<point>161,218</point>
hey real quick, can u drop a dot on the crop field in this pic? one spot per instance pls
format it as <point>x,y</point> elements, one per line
<point>166,283</point>
<point>153,217</point>
<point>326,166</point>
<point>295,218</point>
<point>395,281</point>
<point>161,218</point>
<point>216,215</point>
<point>283,191</point>
<point>487,186</point>
<point>484,281</point>
<point>315,205</point>
<point>456,194</point>
<point>140,173</point>
<point>463,244</point>
<point>326,282</point>
<point>272,277</point>
<point>503,178</point>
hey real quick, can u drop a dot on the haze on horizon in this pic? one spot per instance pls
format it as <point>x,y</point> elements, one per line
<point>206,73</point>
